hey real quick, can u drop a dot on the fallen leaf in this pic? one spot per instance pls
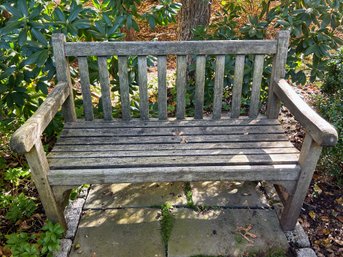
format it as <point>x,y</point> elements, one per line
<point>339,242</point>
<point>312,214</point>
<point>325,218</point>
<point>178,133</point>
<point>305,223</point>
<point>317,189</point>
<point>183,140</point>
<point>339,200</point>
<point>245,233</point>
<point>326,242</point>
<point>25,226</point>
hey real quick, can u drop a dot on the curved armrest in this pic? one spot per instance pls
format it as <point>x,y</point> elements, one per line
<point>320,130</point>
<point>26,136</point>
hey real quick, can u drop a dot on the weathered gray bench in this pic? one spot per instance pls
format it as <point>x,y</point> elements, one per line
<point>222,147</point>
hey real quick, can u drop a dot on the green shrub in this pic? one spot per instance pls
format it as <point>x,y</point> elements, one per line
<point>15,175</point>
<point>36,245</point>
<point>330,105</point>
<point>19,244</point>
<point>26,56</point>
<point>20,207</point>
<point>333,81</point>
<point>313,26</point>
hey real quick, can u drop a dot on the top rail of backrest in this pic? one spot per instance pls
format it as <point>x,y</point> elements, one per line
<point>217,47</point>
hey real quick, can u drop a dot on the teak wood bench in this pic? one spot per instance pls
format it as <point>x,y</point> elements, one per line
<point>233,147</point>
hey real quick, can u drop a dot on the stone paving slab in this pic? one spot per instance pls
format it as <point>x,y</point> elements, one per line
<point>225,193</point>
<point>65,247</point>
<point>135,195</point>
<point>305,252</point>
<point>214,233</point>
<point>119,233</point>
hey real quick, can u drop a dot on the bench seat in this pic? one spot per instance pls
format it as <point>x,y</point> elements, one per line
<point>188,150</point>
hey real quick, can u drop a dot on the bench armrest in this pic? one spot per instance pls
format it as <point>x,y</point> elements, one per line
<point>320,130</point>
<point>26,136</point>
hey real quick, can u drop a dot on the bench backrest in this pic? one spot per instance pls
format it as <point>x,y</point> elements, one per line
<point>200,49</point>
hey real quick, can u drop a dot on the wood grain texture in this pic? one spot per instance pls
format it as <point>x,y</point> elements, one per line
<point>63,75</point>
<point>124,87</point>
<point>278,72</point>
<point>309,156</point>
<point>237,86</point>
<point>319,129</point>
<point>218,87</point>
<point>165,153</point>
<point>162,88</point>
<point>181,80</point>
<point>143,88</point>
<point>173,161</point>
<point>39,168</point>
<point>165,131</point>
<point>29,133</point>
<point>167,47</point>
<point>167,174</point>
<point>85,88</point>
<point>199,86</point>
<point>188,122</point>
<point>104,79</point>
<point>237,146</point>
<point>172,139</point>
<point>256,86</point>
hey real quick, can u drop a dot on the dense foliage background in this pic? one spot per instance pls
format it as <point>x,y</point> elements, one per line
<point>27,73</point>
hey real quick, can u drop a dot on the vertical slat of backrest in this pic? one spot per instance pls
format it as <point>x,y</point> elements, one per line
<point>181,73</point>
<point>218,87</point>
<point>237,86</point>
<point>143,89</point>
<point>124,87</point>
<point>162,87</point>
<point>63,74</point>
<point>256,85</point>
<point>199,86</point>
<point>278,72</point>
<point>85,88</point>
<point>105,88</point>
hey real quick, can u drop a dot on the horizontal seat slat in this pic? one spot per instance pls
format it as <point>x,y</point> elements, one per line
<point>172,161</point>
<point>213,47</point>
<point>176,146</point>
<point>136,123</point>
<point>179,152</point>
<point>167,174</point>
<point>169,131</point>
<point>170,139</point>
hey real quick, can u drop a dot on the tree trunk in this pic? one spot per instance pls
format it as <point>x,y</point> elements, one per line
<point>193,13</point>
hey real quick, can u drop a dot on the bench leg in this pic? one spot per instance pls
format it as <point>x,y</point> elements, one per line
<point>310,153</point>
<point>61,194</point>
<point>39,167</point>
<point>284,189</point>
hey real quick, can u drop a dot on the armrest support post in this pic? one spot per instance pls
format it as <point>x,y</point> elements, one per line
<point>320,130</point>
<point>39,167</point>
<point>28,134</point>
<point>63,74</point>
<point>278,72</point>
<point>309,155</point>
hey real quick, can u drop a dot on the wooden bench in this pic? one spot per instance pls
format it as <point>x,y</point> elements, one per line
<point>221,147</point>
